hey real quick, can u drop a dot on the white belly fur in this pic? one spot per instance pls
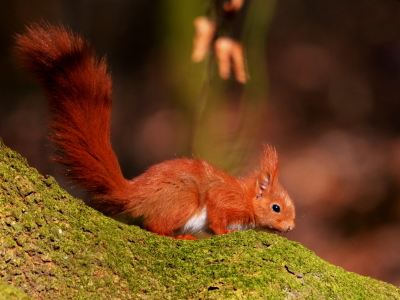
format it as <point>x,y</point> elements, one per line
<point>197,226</point>
<point>240,227</point>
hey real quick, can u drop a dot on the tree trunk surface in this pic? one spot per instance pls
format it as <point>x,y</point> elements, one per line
<point>52,246</point>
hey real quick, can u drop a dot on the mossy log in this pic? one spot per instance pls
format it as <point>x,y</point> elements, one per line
<point>55,247</point>
<point>8,292</point>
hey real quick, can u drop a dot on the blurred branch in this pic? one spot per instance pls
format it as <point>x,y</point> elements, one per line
<point>219,40</point>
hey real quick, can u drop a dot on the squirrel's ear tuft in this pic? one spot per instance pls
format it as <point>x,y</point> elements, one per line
<point>269,159</point>
<point>269,162</point>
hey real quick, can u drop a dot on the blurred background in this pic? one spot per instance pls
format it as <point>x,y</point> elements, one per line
<point>324,89</point>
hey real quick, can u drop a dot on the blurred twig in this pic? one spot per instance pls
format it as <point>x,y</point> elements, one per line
<point>222,32</point>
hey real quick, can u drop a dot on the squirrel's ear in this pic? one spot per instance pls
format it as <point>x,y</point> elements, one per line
<point>268,170</point>
<point>262,184</point>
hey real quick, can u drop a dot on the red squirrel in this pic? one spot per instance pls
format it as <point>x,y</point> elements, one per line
<point>180,198</point>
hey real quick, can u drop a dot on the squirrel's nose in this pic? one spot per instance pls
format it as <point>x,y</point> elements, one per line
<point>288,227</point>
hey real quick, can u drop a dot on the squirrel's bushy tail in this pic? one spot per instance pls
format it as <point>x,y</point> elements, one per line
<point>78,88</point>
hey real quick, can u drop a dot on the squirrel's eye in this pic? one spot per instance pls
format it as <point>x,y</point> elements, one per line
<point>276,208</point>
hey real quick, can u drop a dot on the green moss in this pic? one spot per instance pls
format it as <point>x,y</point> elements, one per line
<point>55,247</point>
<point>8,292</point>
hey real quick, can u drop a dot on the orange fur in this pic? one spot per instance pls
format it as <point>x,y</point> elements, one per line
<point>177,198</point>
